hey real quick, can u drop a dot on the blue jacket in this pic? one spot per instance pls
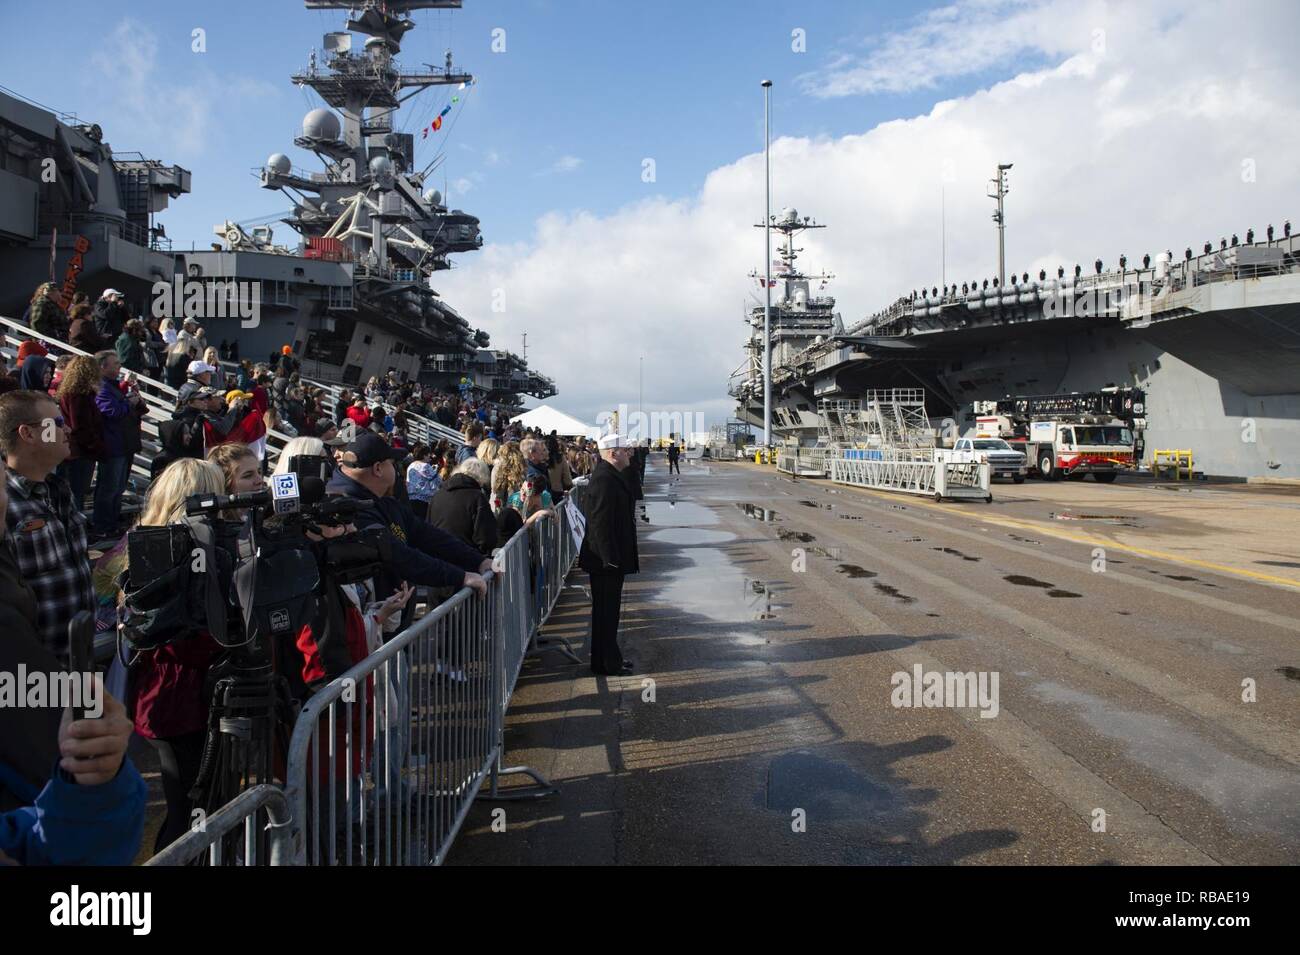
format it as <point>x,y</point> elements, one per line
<point>77,825</point>
<point>422,553</point>
<point>112,404</point>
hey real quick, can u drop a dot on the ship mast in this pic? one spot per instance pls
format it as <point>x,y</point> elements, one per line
<point>367,88</point>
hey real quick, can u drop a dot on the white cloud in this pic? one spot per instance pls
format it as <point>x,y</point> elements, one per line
<point>1133,149</point>
<point>566,164</point>
<point>965,38</point>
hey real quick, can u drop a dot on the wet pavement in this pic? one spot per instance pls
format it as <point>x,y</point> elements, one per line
<point>1147,696</point>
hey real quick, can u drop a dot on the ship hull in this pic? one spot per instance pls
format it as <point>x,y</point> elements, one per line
<point>1224,385</point>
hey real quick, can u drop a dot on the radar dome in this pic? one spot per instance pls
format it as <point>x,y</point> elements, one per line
<point>278,163</point>
<point>320,124</point>
<point>788,215</point>
<point>433,197</point>
<point>381,166</point>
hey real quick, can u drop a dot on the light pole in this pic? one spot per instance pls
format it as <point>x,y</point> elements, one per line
<point>639,389</point>
<point>767,263</point>
<point>1000,190</point>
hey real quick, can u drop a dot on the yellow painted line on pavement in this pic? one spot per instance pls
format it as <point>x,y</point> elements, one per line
<point>1085,539</point>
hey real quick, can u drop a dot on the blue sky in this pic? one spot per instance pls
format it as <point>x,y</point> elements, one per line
<point>585,90</point>
<point>1133,126</point>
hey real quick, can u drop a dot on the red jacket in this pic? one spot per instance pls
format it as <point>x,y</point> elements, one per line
<point>85,426</point>
<point>167,687</point>
<point>314,674</point>
<point>359,415</point>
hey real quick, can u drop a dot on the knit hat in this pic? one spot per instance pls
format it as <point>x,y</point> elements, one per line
<point>31,347</point>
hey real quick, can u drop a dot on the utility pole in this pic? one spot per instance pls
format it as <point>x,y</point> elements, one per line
<point>1000,190</point>
<point>767,263</point>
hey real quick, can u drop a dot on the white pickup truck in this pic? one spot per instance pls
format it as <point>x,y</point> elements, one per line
<point>1004,460</point>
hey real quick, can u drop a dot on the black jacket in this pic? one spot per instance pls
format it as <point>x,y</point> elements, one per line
<point>631,476</point>
<point>29,736</point>
<point>460,507</point>
<point>609,546</point>
<point>422,553</point>
<point>110,319</point>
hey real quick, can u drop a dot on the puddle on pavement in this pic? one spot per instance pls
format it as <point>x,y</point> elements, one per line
<point>764,514</point>
<point>1221,646</point>
<point>956,553</point>
<point>849,517</point>
<point>1291,673</point>
<point>679,513</point>
<point>713,587</point>
<point>932,614</point>
<point>1248,794</point>
<point>690,536</point>
<point>819,504</point>
<point>853,570</point>
<point>1024,540</point>
<point>802,537</point>
<point>1020,580</point>
<point>1118,520</point>
<point>1125,613</point>
<point>913,540</point>
<point>823,788</point>
<point>1063,593</point>
<point>893,592</point>
<point>1279,563</point>
<point>831,553</point>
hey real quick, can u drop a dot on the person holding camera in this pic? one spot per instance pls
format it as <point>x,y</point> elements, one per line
<point>421,553</point>
<point>168,684</point>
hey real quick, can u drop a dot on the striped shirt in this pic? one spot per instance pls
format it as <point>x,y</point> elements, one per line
<point>47,536</point>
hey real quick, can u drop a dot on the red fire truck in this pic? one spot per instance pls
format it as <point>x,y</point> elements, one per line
<point>1070,435</point>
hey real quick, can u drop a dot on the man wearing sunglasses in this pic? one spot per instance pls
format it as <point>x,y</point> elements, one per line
<point>44,530</point>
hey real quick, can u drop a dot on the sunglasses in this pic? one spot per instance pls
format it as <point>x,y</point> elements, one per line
<point>58,420</point>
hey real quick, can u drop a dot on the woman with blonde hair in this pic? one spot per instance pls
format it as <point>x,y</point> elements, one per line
<point>295,447</point>
<point>488,449</point>
<point>211,356</point>
<point>507,474</point>
<point>77,390</point>
<point>168,331</point>
<point>242,470</point>
<point>167,692</point>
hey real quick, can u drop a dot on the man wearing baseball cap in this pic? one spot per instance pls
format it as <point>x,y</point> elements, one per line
<point>421,553</point>
<point>609,551</point>
<point>110,315</point>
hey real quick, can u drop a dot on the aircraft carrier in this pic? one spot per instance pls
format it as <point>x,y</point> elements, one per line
<point>353,297</point>
<point>1211,335</point>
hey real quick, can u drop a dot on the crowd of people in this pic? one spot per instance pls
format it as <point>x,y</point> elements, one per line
<point>74,421</point>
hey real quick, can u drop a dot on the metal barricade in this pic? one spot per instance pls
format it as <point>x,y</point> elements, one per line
<point>386,760</point>
<point>268,842</point>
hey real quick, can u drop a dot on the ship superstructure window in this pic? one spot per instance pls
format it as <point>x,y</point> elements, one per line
<point>275,292</point>
<point>340,296</point>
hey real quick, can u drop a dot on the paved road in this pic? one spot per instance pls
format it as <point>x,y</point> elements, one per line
<point>772,617</point>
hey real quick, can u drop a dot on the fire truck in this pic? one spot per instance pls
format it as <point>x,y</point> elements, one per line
<point>1071,435</point>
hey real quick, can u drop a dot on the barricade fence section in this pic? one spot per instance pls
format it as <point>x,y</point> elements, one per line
<point>385,761</point>
<point>252,829</point>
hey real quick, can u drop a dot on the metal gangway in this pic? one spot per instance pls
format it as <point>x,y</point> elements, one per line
<point>886,443</point>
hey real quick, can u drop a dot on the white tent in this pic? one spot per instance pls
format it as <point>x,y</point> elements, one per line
<point>546,419</point>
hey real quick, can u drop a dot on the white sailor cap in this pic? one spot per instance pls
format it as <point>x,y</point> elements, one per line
<point>615,440</point>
